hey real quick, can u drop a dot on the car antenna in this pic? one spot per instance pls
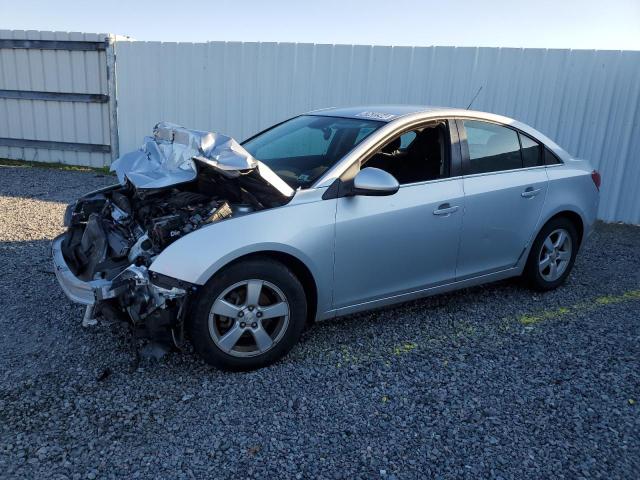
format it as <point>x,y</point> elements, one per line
<point>474,97</point>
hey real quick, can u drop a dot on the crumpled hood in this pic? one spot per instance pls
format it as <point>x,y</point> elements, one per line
<point>169,157</point>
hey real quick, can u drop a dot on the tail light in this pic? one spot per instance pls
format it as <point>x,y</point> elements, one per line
<point>597,179</point>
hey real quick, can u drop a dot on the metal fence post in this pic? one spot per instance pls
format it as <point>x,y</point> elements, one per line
<point>113,96</point>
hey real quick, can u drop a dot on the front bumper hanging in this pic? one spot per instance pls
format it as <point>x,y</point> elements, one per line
<point>79,291</point>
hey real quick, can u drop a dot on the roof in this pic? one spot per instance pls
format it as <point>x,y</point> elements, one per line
<point>385,113</point>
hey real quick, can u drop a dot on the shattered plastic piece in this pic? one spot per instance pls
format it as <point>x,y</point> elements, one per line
<point>88,320</point>
<point>142,245</point>
<point>222,212</point>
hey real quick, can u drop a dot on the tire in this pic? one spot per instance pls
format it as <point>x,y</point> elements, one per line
<point>543,279</point>
<point>237,341</point>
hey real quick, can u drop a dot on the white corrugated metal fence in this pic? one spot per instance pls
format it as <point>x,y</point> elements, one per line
<point>587,101</point>
<point>56,98</point>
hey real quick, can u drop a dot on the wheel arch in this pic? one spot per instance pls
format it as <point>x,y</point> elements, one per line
<point>573,216</point>
<point>298,268</point>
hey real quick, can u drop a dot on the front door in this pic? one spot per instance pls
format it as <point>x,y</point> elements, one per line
<point>387,246</point>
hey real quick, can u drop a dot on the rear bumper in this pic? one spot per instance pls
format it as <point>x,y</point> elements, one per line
<point>79,291</point>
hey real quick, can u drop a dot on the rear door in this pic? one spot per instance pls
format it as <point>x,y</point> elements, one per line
<point>505,185</point>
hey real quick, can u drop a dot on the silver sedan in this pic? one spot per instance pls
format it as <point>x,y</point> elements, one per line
<point>239,246</point>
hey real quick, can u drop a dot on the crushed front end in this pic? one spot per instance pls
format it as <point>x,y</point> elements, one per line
<point>113,236</point>
<point>179,181</point>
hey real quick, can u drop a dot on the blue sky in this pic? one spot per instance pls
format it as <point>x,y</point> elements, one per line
<point>608,24</point>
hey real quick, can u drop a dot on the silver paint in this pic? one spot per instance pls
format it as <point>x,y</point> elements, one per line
<point>375,181</point>
<point>429,237</point>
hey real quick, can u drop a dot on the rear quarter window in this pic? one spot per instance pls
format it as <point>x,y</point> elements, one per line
<point>550,158</point>
<point>531,152</point>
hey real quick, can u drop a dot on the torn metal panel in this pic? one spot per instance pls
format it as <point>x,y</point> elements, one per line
<point>168,158</point>
<point>180,180</point>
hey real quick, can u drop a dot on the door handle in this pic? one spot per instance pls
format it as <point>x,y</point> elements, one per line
<point>445,210</point>
<point>530,192</point>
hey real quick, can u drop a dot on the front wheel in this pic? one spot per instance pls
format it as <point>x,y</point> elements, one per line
<point>249,315</point>
<point>552,255</point>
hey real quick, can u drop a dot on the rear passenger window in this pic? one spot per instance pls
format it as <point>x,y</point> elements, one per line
<point>492,148</point>
<point>531,152</point>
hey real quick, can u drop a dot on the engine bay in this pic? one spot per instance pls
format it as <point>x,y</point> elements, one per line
<point>179,181</point>
<point>121,225</point>
<point>115,233</point>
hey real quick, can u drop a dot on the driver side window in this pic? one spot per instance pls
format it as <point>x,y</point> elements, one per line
<point>415,156</point>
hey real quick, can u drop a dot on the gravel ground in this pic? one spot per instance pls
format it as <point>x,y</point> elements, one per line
<point>489,382</point>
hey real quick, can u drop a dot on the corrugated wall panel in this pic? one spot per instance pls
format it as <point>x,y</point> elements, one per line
<point>585,100</point>
<point>54,71</point>
<point>588,101</point>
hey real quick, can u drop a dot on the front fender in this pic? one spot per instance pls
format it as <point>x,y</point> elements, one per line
<point>303,229</point>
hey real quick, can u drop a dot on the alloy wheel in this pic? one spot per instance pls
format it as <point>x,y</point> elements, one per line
<point>555,255</point>
<point>249,318</point>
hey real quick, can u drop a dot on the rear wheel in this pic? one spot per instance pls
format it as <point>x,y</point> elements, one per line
<point>249,315</point>
<point>552,255</point>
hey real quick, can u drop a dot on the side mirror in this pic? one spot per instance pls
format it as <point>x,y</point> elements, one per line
<point>372,181</point>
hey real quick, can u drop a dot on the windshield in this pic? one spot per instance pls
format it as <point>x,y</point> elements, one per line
<point>302,149</point>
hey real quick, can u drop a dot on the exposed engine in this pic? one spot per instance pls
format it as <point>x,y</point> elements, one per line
<point>179,181</point>
<point>114,228</point>
<point>115,233</point>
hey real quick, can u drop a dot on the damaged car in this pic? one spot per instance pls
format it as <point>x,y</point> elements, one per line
<point>237,247</point>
